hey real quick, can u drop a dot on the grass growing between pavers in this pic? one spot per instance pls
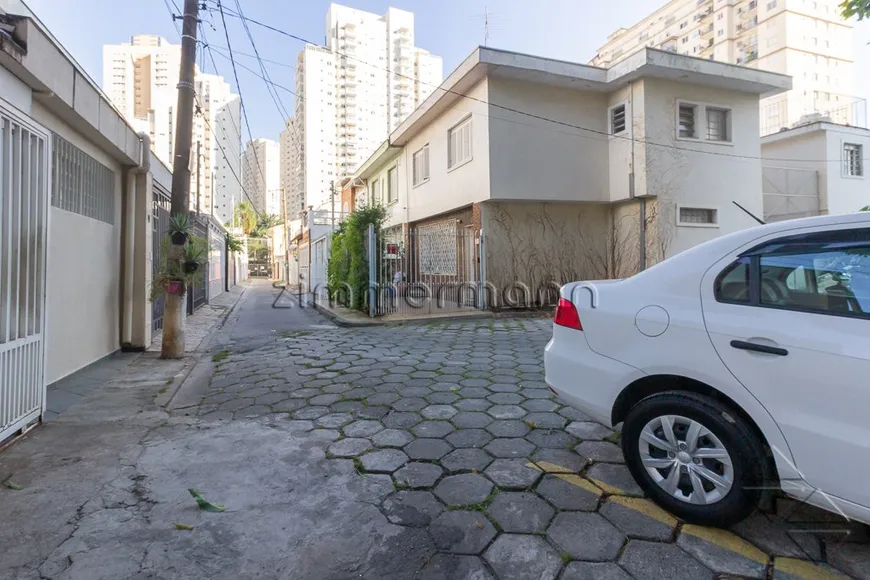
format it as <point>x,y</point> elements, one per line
<point>220,355</point>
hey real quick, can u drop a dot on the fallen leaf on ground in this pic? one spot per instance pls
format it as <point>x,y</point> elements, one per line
<point>203,503</point>
<point>454,388</point>
<point>478,524</point>
<point>8,483</point>
<point>183,527</point>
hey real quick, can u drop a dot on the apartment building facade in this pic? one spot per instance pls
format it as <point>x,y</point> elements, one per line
<point>571,171</point>
<point>367,79</point>
<point>261,176</point>
<point>806,39</point>
<point>140,78</point>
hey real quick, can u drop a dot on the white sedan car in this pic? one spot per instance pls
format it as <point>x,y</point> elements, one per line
<point>737,366</point>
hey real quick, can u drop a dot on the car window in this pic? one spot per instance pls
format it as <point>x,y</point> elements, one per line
<point>732,285</point>
<point>823,279</point>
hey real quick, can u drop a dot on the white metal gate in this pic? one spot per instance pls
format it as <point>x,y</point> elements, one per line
<point>318,268</point>
<point>24,183</point>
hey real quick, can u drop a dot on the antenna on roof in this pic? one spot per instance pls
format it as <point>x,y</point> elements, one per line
<point>485,26</point>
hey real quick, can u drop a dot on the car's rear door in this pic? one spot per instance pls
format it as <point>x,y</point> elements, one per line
<point>790,318</point>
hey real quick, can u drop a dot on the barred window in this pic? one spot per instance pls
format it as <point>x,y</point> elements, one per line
<point>80,183</point>
<point>853,164</point>
<point>437,244</point>
<point>717,124</point>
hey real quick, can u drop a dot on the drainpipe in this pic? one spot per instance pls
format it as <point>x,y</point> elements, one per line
<point>631,192</point>
<point>133,173</point>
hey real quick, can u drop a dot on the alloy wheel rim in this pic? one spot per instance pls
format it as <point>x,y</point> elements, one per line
<point>686,460</point>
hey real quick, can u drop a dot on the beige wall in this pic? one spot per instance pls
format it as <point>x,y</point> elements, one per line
<point>446,189</point>
<point>532,245</point>
<point>698,173</point>
<point>533,159</point>
<point>84,265</point>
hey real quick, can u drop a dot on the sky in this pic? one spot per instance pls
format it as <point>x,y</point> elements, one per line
<point>564,29</point>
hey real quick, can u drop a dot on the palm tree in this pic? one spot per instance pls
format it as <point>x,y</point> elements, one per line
<point>265,222</point>
<point>246,216</point>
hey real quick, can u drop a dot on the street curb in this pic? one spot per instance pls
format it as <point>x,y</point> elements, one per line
<point>206,342</point>
<point>196,357</point>
<point>344,322</point>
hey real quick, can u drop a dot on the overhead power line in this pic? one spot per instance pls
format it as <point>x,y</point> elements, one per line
<point>204,118</point>
<point>239,88</point>
<point>526,113</point>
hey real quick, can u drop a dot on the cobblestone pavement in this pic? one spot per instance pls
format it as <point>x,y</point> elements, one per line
<point>506,482</point>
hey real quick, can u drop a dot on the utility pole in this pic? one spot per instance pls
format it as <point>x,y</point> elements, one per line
<point>174,315</point>
<point>286,238</point>
<point>332,203</point>
<point>198,163</point>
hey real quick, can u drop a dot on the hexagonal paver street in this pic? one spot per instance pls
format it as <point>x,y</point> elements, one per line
<point>505,482</point>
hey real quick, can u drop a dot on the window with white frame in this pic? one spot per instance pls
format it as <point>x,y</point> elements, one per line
<point>618,120</point>
<point>718,122</point>
<point>687,119</point>
<point>392,185</point>
<point>375,193</point>
<point>420,162</point>
<point>698,216</point>
<point>853,162</point>
<point>459,144</point>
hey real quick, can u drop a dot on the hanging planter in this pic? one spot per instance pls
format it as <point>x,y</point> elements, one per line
<point>179,228</point>
<point>191,267</point>
<point>175,287</point>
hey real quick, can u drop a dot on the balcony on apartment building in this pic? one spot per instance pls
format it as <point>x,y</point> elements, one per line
<point>846,110</point>
<point>747,50</point>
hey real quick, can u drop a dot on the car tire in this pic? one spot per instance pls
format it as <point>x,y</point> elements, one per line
<point>749,471</point>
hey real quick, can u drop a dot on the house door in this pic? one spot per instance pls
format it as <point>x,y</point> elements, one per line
<point>24,186</point>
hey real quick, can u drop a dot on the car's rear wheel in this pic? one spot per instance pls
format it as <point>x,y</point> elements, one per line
<point>695,457</point>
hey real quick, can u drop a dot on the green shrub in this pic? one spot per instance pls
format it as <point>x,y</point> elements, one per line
<point>348,269</point>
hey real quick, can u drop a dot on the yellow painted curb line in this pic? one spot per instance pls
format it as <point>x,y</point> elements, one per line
<point>646,507</point>
<point>609,489</point>
<point>580,482</point>
<point>566,474</point>
<point>548,467</point>
<point>803,569</point>
<point>728,541</point>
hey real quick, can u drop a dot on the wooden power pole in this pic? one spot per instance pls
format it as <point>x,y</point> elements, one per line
<point>174,315</point>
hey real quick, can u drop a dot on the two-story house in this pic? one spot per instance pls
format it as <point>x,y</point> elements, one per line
<point>563,171</point>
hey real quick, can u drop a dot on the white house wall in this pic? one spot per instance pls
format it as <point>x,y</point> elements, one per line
<point>822,150</point>
<point>15,92</point>
<point>84,259</point>
<point>533,159</point>
<point>699,173</point>
<point>449,189</point>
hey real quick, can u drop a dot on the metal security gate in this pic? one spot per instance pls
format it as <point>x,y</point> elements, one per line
<point>197,294</point>
<point>161,202</point>
<point>429,269</point>
<point>24,182</point>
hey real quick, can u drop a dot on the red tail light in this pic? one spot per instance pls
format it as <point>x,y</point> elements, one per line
<point>566,315</point>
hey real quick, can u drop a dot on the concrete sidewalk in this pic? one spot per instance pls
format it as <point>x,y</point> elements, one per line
<point>75,388</point>
<point>105,494</point>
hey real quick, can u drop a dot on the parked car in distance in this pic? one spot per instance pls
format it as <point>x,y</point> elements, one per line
<point>736,367</point>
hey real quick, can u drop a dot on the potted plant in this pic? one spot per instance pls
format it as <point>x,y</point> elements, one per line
<point>179,228</point>
<point>195,253</point>
<point>174,277</point>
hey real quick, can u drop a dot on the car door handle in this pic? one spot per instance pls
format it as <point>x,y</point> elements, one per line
<point>743,345</point>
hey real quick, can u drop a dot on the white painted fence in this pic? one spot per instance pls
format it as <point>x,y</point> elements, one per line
<point>24,186</point>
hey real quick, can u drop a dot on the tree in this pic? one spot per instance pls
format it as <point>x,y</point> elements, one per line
<point>859,8</point>
<point>246,216</point>
<point>865,208</point>
<point>265,222</point>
